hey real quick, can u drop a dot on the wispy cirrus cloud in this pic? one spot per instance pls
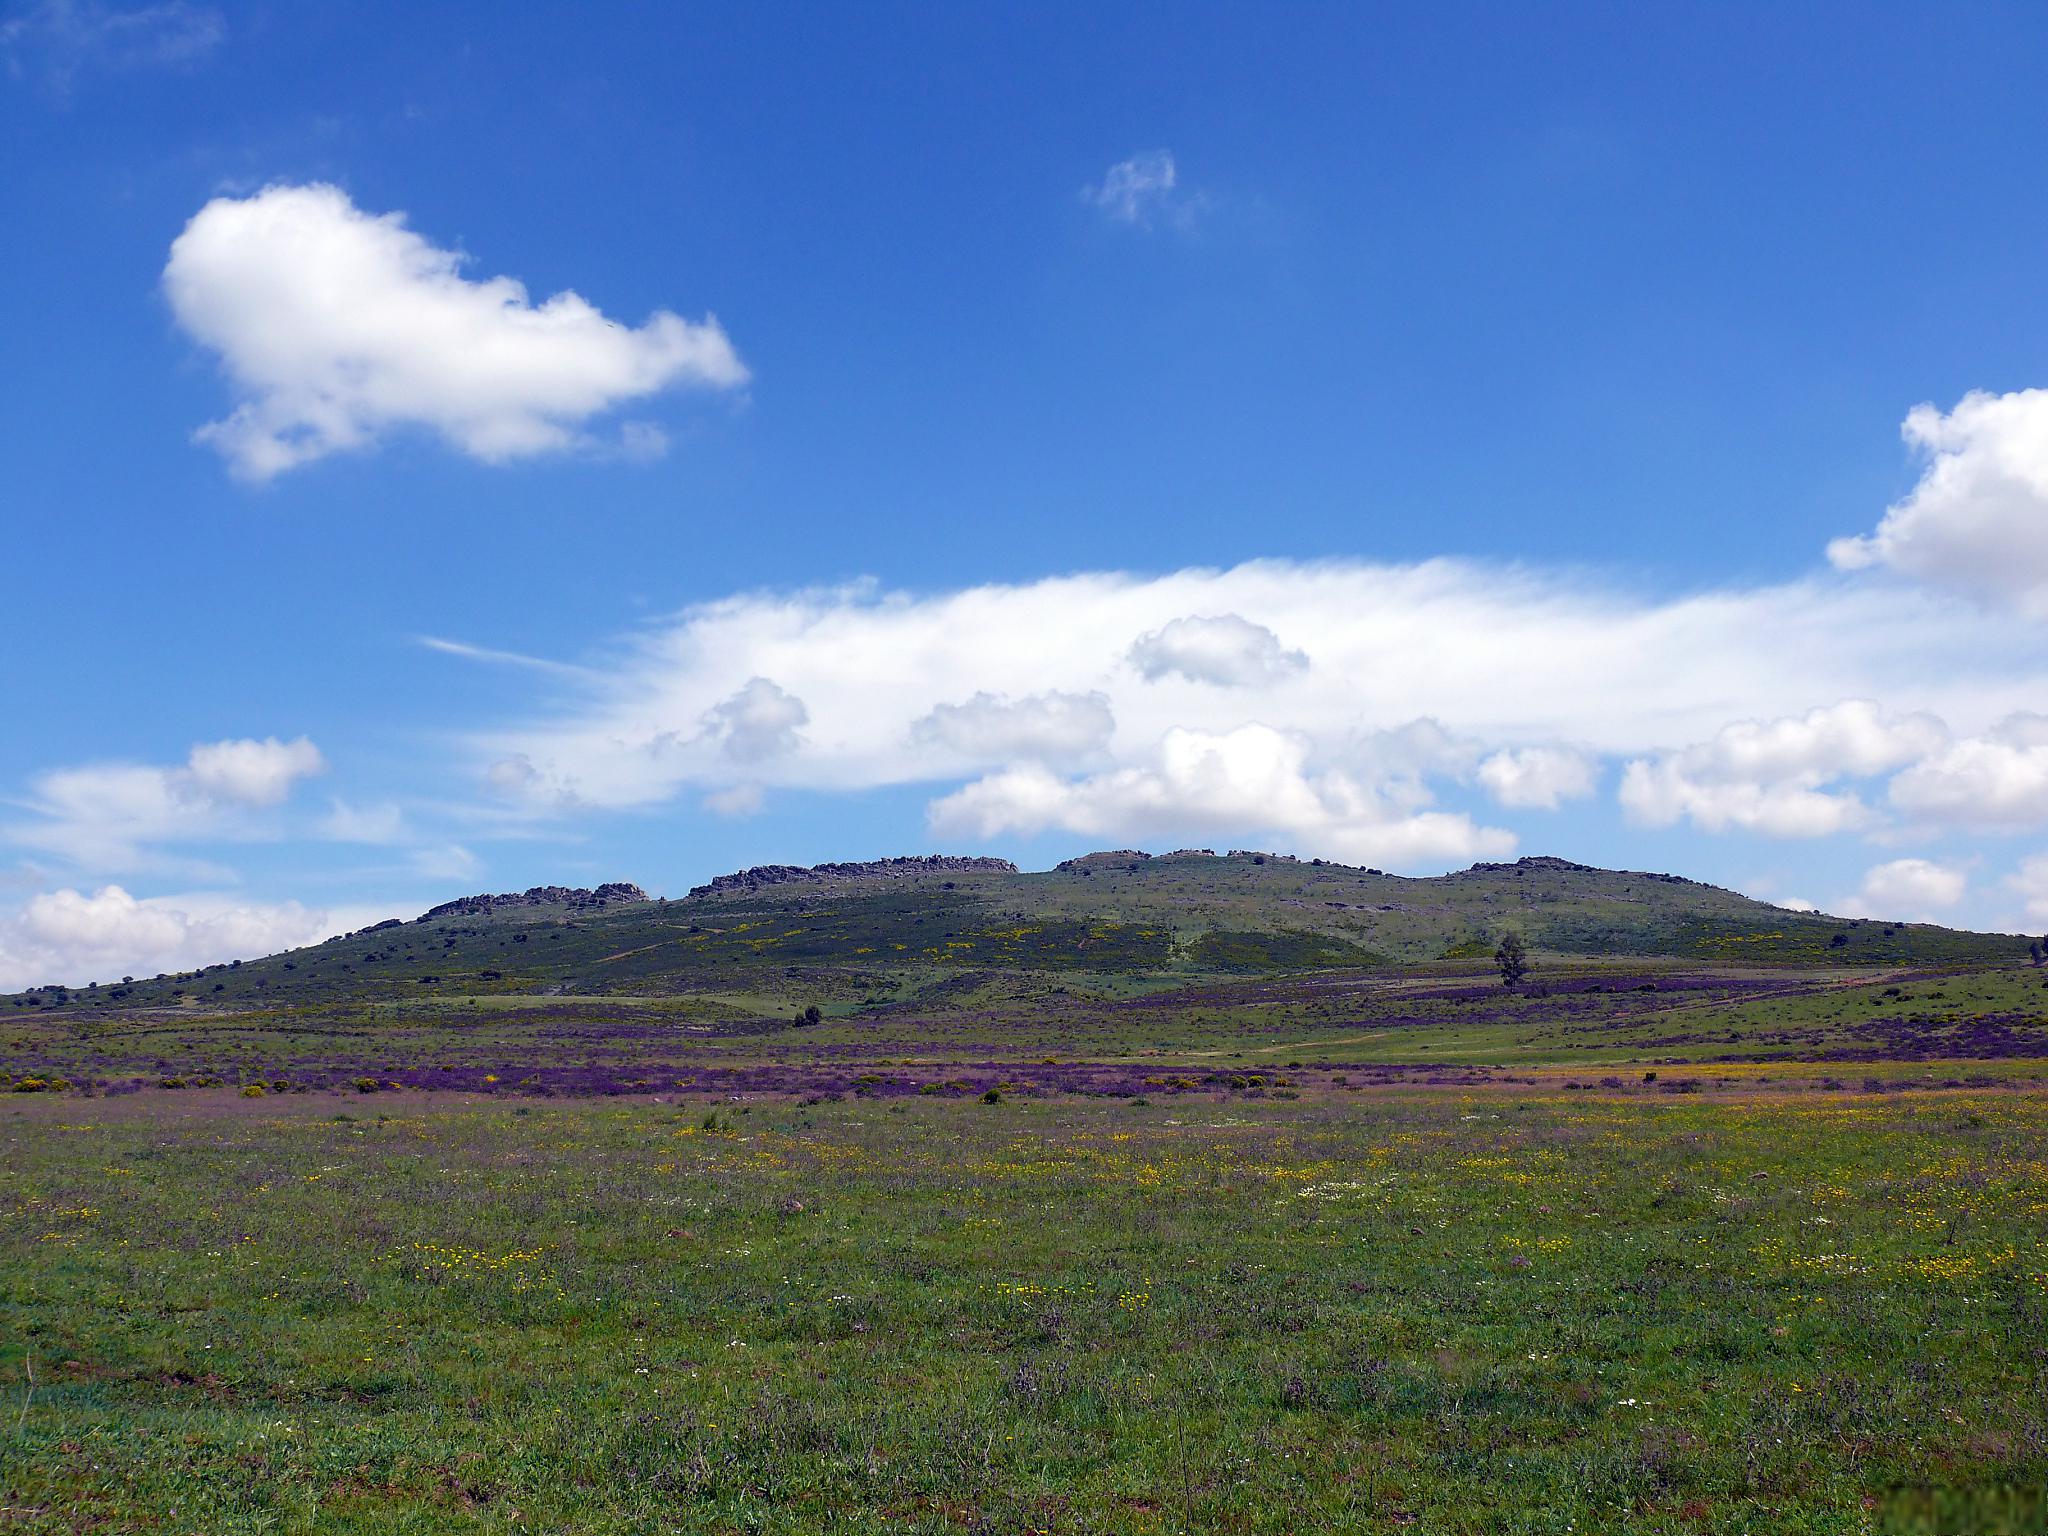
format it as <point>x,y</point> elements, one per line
<point>60,40</point>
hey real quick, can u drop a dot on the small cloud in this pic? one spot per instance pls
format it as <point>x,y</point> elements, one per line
<point>1910,889</point>
<point>62,39</point>
<point>1538,778</point>
<point>336,326</point>
<point>517,778</point>
<point>380,825</point>
<point>641,442</point>
<point>760,721</point>
<point>451,861</point>
<point>1044,727</point>
<point>1996,780</point>
<point>737,802</point>
<point>109,815</point>
<point>1974,521</point>
<point>1228,650</point>
<point>1780,777</point>
<point>2030,880</point>
<point>253,772</point>
<point>1144,188</point>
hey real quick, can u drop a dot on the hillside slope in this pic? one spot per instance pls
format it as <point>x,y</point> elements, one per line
<point>890,928</point>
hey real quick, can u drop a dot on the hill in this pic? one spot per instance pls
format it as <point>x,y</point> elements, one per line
<point>905,926</point>
<point>1118,973</point>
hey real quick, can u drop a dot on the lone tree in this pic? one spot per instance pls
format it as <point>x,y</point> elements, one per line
<point>1512,959</point>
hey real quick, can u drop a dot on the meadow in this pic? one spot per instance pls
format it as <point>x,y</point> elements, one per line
<point>1156,1196</point>
<point>1357,1308</point>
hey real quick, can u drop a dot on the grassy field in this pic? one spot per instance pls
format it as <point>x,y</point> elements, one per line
<point>1359,1309</point>
<point>1182,1195</point>
<point>1939,1025</point>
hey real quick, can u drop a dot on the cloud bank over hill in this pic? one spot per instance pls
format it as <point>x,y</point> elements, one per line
<point>1328,705</point>
<point>1413,717</point>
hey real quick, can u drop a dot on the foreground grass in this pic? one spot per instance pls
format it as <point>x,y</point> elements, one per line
<point>1423,1312</point>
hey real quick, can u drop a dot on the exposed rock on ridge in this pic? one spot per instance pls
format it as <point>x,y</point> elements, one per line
<point>789,874</point>
<point>573,897</point>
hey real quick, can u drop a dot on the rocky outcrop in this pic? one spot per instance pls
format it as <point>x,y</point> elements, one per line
<point>1109,858</point>
<point>763,875</point>
<point>1534,861</point>
<point>1545,862</point>
<point>574,898</point>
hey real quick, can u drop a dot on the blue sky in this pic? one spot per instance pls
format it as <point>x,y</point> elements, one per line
<point>1399,437</point>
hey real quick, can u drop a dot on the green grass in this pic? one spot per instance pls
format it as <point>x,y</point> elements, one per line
<point>1352,1311</point>
<point>1735,1225</point>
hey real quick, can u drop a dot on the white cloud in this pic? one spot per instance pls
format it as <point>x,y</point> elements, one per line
<point>486,653</point>
<point>1998,779</point>
<point>1658,793</point>
<point>1538,777</point>
<point>381,824</point>
<point>445,861</point>
<point>1253,779</point>
<point>737,802</point>
<point>1914,890</point>
<point>1143,188</point>
<point>1774,776</point>
<point>517,778</point>
<point>1421,673</point>
<point>1796,904</point>
<point>1042,727</point>
<point>1978,519</point>
<point>1402,757</point>
<point>2031,881</point>
<point>1227,650</point>
<point>69,937</point>
<point>106,815</point>
<point>335,325</point>
<point>64,38</point>
<point>253,772</point>
<point>760,721</point>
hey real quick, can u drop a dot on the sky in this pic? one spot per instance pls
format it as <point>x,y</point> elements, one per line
<point>447,449</point>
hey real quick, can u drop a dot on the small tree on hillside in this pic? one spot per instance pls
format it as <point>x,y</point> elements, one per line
<point>1512,959</point>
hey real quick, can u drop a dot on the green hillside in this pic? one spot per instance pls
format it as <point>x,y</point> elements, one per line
<point>880,931</point>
